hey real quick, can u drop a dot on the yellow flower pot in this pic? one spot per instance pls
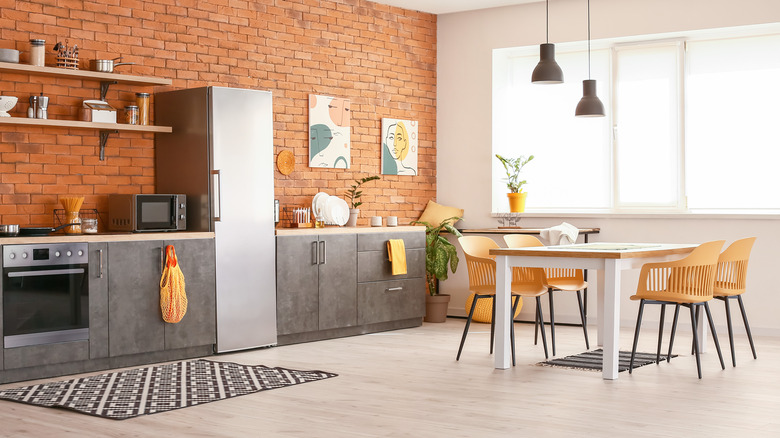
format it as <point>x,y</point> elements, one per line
<point>517,202</point>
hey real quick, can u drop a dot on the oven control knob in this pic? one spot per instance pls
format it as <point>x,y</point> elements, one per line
<point>12,256</point>
<point>57,254</point>
<point>81,253</point>
<point>68,253</point>
<point>24,255</point>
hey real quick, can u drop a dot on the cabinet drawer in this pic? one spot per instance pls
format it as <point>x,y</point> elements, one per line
<point>378,241</point>
<point>48,354</point>
<point>391,300</point>
<point>374,265</point>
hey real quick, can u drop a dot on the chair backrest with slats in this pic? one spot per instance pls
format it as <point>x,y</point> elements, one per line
<point>481,265</point>
<point>552,275</point>
<point>525,276</point>
<point>731,278</point>
<point>690,279</point>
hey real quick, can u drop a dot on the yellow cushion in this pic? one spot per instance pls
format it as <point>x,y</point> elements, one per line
<point>435,213</point>
<point>484,310</point>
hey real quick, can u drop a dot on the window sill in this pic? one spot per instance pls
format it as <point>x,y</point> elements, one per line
<point>647,214</point>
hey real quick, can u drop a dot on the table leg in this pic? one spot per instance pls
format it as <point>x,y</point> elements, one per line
<point>611,317</point>
<point>503,312</point>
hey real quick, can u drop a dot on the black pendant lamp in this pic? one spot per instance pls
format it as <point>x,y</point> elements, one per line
<point>547,71</point>
<point>590,105</point>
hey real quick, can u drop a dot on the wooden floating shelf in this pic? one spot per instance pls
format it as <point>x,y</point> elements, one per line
<point>83,125</point>
<point>83,74</point>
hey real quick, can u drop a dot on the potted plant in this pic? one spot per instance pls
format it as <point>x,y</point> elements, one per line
<point>440,256</point>
<point>354,199</point>
<point>516,195</point>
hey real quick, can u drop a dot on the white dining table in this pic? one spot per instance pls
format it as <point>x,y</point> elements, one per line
<point>609,259</point>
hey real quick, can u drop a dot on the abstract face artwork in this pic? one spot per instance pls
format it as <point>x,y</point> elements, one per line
<point>329,132</point>
<point>399,147</point>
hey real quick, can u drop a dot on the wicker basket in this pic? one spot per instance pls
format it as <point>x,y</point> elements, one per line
<point>67,62</point>
<point>484,310</point>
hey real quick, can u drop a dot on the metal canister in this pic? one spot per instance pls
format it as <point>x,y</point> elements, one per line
<point>142,100</point>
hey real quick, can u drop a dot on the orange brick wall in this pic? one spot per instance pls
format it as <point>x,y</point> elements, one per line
<point>381,58</point>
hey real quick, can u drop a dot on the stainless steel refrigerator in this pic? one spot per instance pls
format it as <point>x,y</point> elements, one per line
<point>220,154</point>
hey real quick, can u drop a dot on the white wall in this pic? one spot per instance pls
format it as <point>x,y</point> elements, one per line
<point>465,42</point>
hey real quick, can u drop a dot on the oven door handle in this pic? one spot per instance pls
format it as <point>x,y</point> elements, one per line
<point>47,272</point>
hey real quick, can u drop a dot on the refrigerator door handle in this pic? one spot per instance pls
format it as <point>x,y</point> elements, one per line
<point>217,184</point>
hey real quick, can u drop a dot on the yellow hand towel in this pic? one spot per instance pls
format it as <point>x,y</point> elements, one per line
<point>397,253</point>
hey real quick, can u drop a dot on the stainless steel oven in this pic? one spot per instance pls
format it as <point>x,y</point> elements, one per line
<point>45,294</point>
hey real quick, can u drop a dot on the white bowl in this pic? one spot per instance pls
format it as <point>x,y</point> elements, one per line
<point>6,104</point>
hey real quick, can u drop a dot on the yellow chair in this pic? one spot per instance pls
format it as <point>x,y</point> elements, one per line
<point>688,282</point>
<point>482,282</point>
<point>560,279</point>
<point>730,283</point>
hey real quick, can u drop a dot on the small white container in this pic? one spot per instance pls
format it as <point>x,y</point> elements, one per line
<point>89,226</point>
<point>376,221</point>
<point>392,221</point>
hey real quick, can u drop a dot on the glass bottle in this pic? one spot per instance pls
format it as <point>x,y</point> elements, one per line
<point>131,114</point>
<point>37,52</point>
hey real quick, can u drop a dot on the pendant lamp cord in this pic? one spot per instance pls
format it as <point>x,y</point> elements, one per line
<point>547,22</point>
<point>588,39</point>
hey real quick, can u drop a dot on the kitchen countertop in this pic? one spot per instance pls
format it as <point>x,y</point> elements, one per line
<point>104,237</point>
<point>345,230</point>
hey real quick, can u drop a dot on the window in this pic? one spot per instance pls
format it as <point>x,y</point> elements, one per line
<point>690,126</point>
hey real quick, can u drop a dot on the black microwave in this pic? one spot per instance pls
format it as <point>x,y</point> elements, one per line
<point>147,212</point>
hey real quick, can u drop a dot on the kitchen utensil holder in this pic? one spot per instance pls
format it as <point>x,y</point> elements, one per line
<point>68,62</point>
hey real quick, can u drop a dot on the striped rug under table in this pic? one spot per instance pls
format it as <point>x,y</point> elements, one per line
<point>129,393</point>
<point>592,360</point>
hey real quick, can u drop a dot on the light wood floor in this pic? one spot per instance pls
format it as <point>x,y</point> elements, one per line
<point>407,383</point>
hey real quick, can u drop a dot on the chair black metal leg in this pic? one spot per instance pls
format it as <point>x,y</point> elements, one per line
<point>541,324</point>
<point>493,323</point>
<point>636,335</point>
<point>583,318</point>
<point>731,331</point>
<point>714,335</point>
<point>552,319</point>
<point>660,334</point>
<point>468,323</point>
<point>697,318</point>
<point>512,326</point>
<point>747,326</point>
<point>674,330</point>
<point>536,327</point>
<point>695,338</point>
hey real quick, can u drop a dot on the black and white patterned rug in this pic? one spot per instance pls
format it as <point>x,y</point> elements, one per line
<point>126,394</point>
<point>592,360</point>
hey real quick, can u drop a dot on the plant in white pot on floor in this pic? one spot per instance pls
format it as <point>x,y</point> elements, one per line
<point>354,195</point>
<point>516,195</point>
<point>440,257</point>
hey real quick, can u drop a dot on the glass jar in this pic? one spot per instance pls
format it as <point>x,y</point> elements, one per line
<point>142,100</point>
<point>89,226</point>
<point>72,217</point>
<point>37,52</point>
<point>131,114</point>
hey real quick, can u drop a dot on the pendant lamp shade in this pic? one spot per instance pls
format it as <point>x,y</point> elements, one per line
<point>547,71</point>
<point>590,105</point>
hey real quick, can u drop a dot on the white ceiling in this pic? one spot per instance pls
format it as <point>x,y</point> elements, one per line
<point>449,6</point>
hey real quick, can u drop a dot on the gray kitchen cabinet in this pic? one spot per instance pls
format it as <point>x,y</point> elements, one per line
<point>98,300</point>
<point>198,327</point>
<point>135,324</point>
<point>316,282</point>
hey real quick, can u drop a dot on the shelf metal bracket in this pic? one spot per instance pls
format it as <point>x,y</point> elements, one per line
<point>103,138</point>
<point>104,88</point>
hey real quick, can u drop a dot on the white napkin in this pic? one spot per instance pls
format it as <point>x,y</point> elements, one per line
<point>562,234</point>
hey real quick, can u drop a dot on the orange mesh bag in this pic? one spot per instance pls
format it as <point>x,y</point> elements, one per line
<point>173,299</point>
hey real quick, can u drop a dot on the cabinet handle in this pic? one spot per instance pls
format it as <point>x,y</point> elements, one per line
<point>316,248</point>
<point>390,289</point>
<point>162,259</point>
<point>100,264</point>
<point>324,251</point>
<point>217,187</point>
